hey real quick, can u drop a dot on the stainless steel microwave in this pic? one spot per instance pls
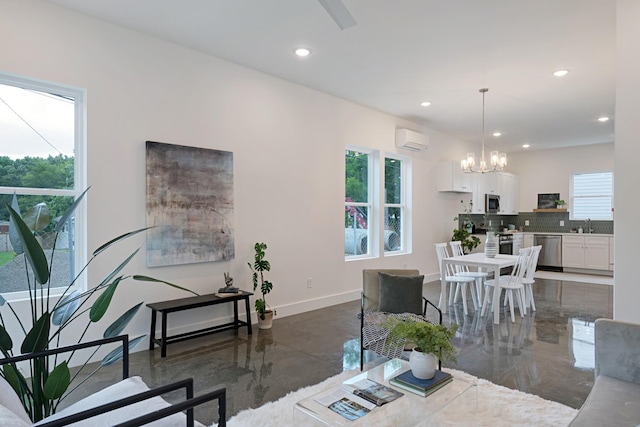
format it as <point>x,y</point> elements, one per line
<point>491,203</point>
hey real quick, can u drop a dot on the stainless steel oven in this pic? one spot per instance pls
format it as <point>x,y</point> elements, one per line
<point>505,243</point>
<point>505,246</point>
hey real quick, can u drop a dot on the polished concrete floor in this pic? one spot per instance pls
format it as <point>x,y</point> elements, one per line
<point>548,353</point>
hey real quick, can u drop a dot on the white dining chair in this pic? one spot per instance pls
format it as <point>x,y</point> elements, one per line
<point>451,278</point>
<point>463,270</point>
<point>528,279</point>
<point>510,283</point>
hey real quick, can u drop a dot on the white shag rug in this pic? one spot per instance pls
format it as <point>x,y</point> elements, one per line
<point>497,406</point>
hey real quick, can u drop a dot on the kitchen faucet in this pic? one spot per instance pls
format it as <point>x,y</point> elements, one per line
<point>587,223</point>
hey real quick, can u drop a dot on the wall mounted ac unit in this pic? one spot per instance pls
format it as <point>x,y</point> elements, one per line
<point>411,140</point>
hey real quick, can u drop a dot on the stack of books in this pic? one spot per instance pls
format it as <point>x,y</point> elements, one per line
<point>407,381</point>
<point>227,291</point>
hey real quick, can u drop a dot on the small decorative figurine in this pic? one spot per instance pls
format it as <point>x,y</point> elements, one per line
<point>228,280</point>
<point>228,289</point>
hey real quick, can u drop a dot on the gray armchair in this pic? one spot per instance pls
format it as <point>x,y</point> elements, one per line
<point>388,292</point>
<point>614,399</point>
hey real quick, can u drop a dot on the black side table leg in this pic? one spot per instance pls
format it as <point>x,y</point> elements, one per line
<point>163,346</point>
<point>152,334</point>
<point>236,326</point>
<point>246,302</point>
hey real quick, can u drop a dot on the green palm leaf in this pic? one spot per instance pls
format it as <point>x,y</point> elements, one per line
<point>99,308</point>
<point>118,269</point>
<point>37,217</point>
<point>6,343</point>
<point>118,326</point>
<point>38,337</point>
<point>151,279</point>
<point>15,378</point>
<point>57,382</point>
<point>69,212</point>
<point>32,248</point>
<point>116,354</point>
<point>14,238</point>
<point>66,308</point>
<point>117,239</point>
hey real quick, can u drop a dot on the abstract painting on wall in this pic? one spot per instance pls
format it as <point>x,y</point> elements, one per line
<point>189,204</point>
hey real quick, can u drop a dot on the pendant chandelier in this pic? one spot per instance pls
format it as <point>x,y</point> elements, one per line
<point>498,160</point>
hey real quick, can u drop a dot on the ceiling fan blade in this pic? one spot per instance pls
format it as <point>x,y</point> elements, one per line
<point>338,11</point>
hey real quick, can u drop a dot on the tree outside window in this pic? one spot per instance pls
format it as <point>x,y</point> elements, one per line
<point>358,169</point>
<point>393,204</point>
<point>40,124</point>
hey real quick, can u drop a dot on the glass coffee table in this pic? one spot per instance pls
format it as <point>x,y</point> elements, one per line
<point>408,410</point>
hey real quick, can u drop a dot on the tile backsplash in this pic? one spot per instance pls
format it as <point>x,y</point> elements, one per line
<point>539,222</point>
<point>550,222</point>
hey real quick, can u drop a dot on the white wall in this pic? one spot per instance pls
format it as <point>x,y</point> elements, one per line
<point>288,144</point>
<point>549,171</point>
<point>627,290</point>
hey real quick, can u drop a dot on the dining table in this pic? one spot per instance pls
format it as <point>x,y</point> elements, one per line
<point>483,263</point>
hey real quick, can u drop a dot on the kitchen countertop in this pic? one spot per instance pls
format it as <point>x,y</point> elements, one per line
<point>567,234</point>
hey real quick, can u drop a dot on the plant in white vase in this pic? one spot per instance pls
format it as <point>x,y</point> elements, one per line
<point>432,343</point>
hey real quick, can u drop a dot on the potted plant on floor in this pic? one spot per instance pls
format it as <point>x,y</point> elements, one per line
<point>433,343</point>
<point>260,265</point>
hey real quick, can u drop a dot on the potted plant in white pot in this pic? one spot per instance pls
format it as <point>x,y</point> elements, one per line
<point>260,265</point>
<point>433,343</point>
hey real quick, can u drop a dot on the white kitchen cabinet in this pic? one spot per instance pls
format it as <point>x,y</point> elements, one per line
<point>492,183</point>
<point>477,186</point>
<point>452,178</point>
<point>503,184</point>
<point>590,252</point>
<point>527,240</point>
<point>508,193</point>
<point>518,243</point>
<point>611,246</point>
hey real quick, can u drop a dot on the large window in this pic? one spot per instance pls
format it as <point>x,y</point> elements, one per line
<point>592,196</point>
<point>394,204</point>
<point>372,227</point>
<point>41,173</point>
<point>358,203</point>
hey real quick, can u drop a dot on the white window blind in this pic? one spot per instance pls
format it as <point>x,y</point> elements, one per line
<point>592,196</point>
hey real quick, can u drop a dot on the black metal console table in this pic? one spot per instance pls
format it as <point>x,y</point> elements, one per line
<point>166,307</point>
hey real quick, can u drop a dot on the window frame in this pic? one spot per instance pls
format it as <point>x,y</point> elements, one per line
<point>405,197</point>
<point>371,203</point>
<point>573,197</point>
<point>80,173</point>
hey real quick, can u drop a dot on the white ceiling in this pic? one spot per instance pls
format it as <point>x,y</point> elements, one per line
<point>402,52</point>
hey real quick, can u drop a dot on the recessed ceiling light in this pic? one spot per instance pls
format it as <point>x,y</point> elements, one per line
<point>302,51</point>
<point>497,133</point>
<point>425,103</point>
<point>561,73</point>
<point>604,119</point>
<point>526,145</point>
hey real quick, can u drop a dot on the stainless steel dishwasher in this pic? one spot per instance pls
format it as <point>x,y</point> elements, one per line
<point>551,253</point>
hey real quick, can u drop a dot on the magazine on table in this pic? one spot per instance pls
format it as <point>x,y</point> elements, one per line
<point>373,392</point>
<point>343,402</point>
